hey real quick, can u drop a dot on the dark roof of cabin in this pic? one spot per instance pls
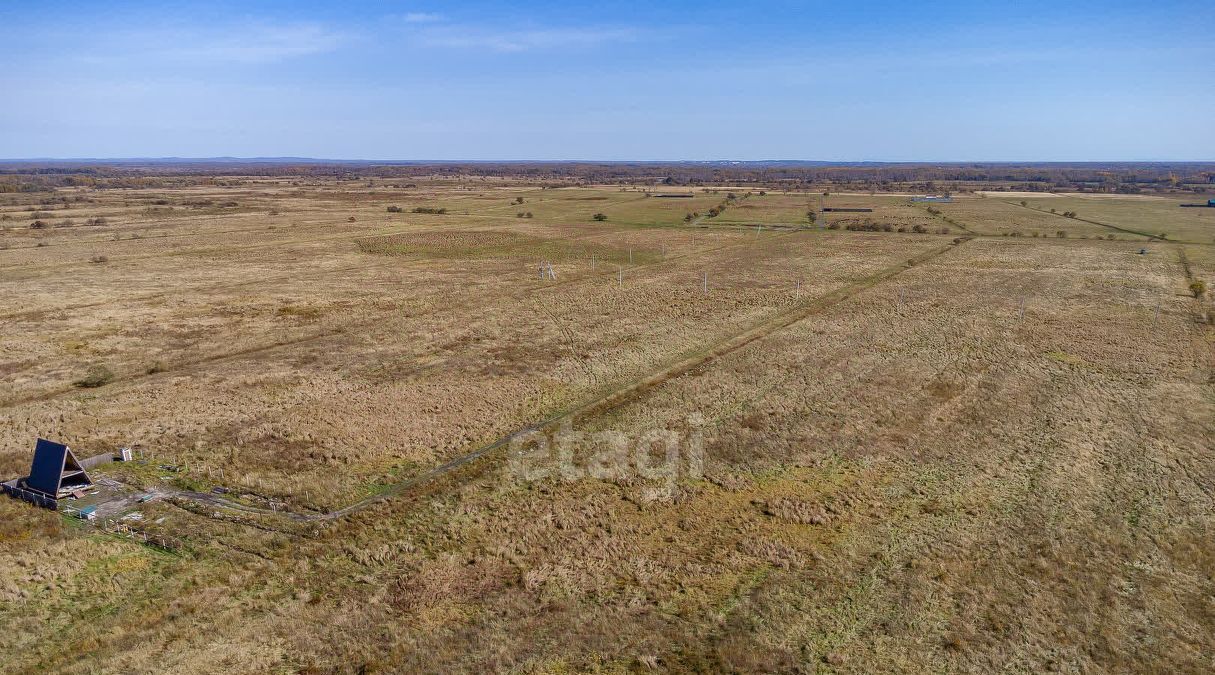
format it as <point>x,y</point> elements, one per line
<point>52,463</point>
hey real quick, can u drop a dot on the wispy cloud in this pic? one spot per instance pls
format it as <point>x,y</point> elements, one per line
<point>523,39</point>
<point>261,44</point>
<point>242,44</point>
<point>422,17</point>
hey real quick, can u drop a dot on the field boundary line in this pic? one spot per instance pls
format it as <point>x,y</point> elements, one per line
<point>619,394</point>
<point>1092,222</point>
<point>213,358</point>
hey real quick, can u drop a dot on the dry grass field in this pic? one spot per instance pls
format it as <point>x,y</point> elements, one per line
<point>979,441</point>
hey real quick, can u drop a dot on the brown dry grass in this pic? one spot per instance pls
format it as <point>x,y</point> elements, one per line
<point>912,478</point>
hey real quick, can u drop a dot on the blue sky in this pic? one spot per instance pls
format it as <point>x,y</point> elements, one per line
<point>965,81</point>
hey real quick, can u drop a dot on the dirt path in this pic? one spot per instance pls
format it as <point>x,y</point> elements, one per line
<point>613,397</point>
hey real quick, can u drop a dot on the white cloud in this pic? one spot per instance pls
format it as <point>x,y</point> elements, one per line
<point>270,43</point>
<point>523,39</point>
<point>422,17</point>
<point>251,43</point>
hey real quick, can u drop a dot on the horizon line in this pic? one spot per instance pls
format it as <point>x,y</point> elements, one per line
<point>324,160</point>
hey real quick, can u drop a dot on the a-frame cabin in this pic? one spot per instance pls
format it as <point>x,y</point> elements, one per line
<point>55,471</point>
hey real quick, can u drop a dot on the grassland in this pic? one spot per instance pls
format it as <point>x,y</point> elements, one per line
<point>982,447</point>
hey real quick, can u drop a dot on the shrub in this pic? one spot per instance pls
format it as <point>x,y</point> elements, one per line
<point>1061,234</point>
<point>833,226</point>
<point>430,210</point>
<point>38,225</point>
<point>394,209</point>
<point>527,215</point>
<point>97,259</point>
<point>1198,288</point>
<point>95,376</point>
<point>99,220</point>
<point>919,229</point>
<point>600,217</point>
<point>351,219</point>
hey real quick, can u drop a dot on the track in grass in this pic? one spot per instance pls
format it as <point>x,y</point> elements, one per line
<point>610,398</point>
